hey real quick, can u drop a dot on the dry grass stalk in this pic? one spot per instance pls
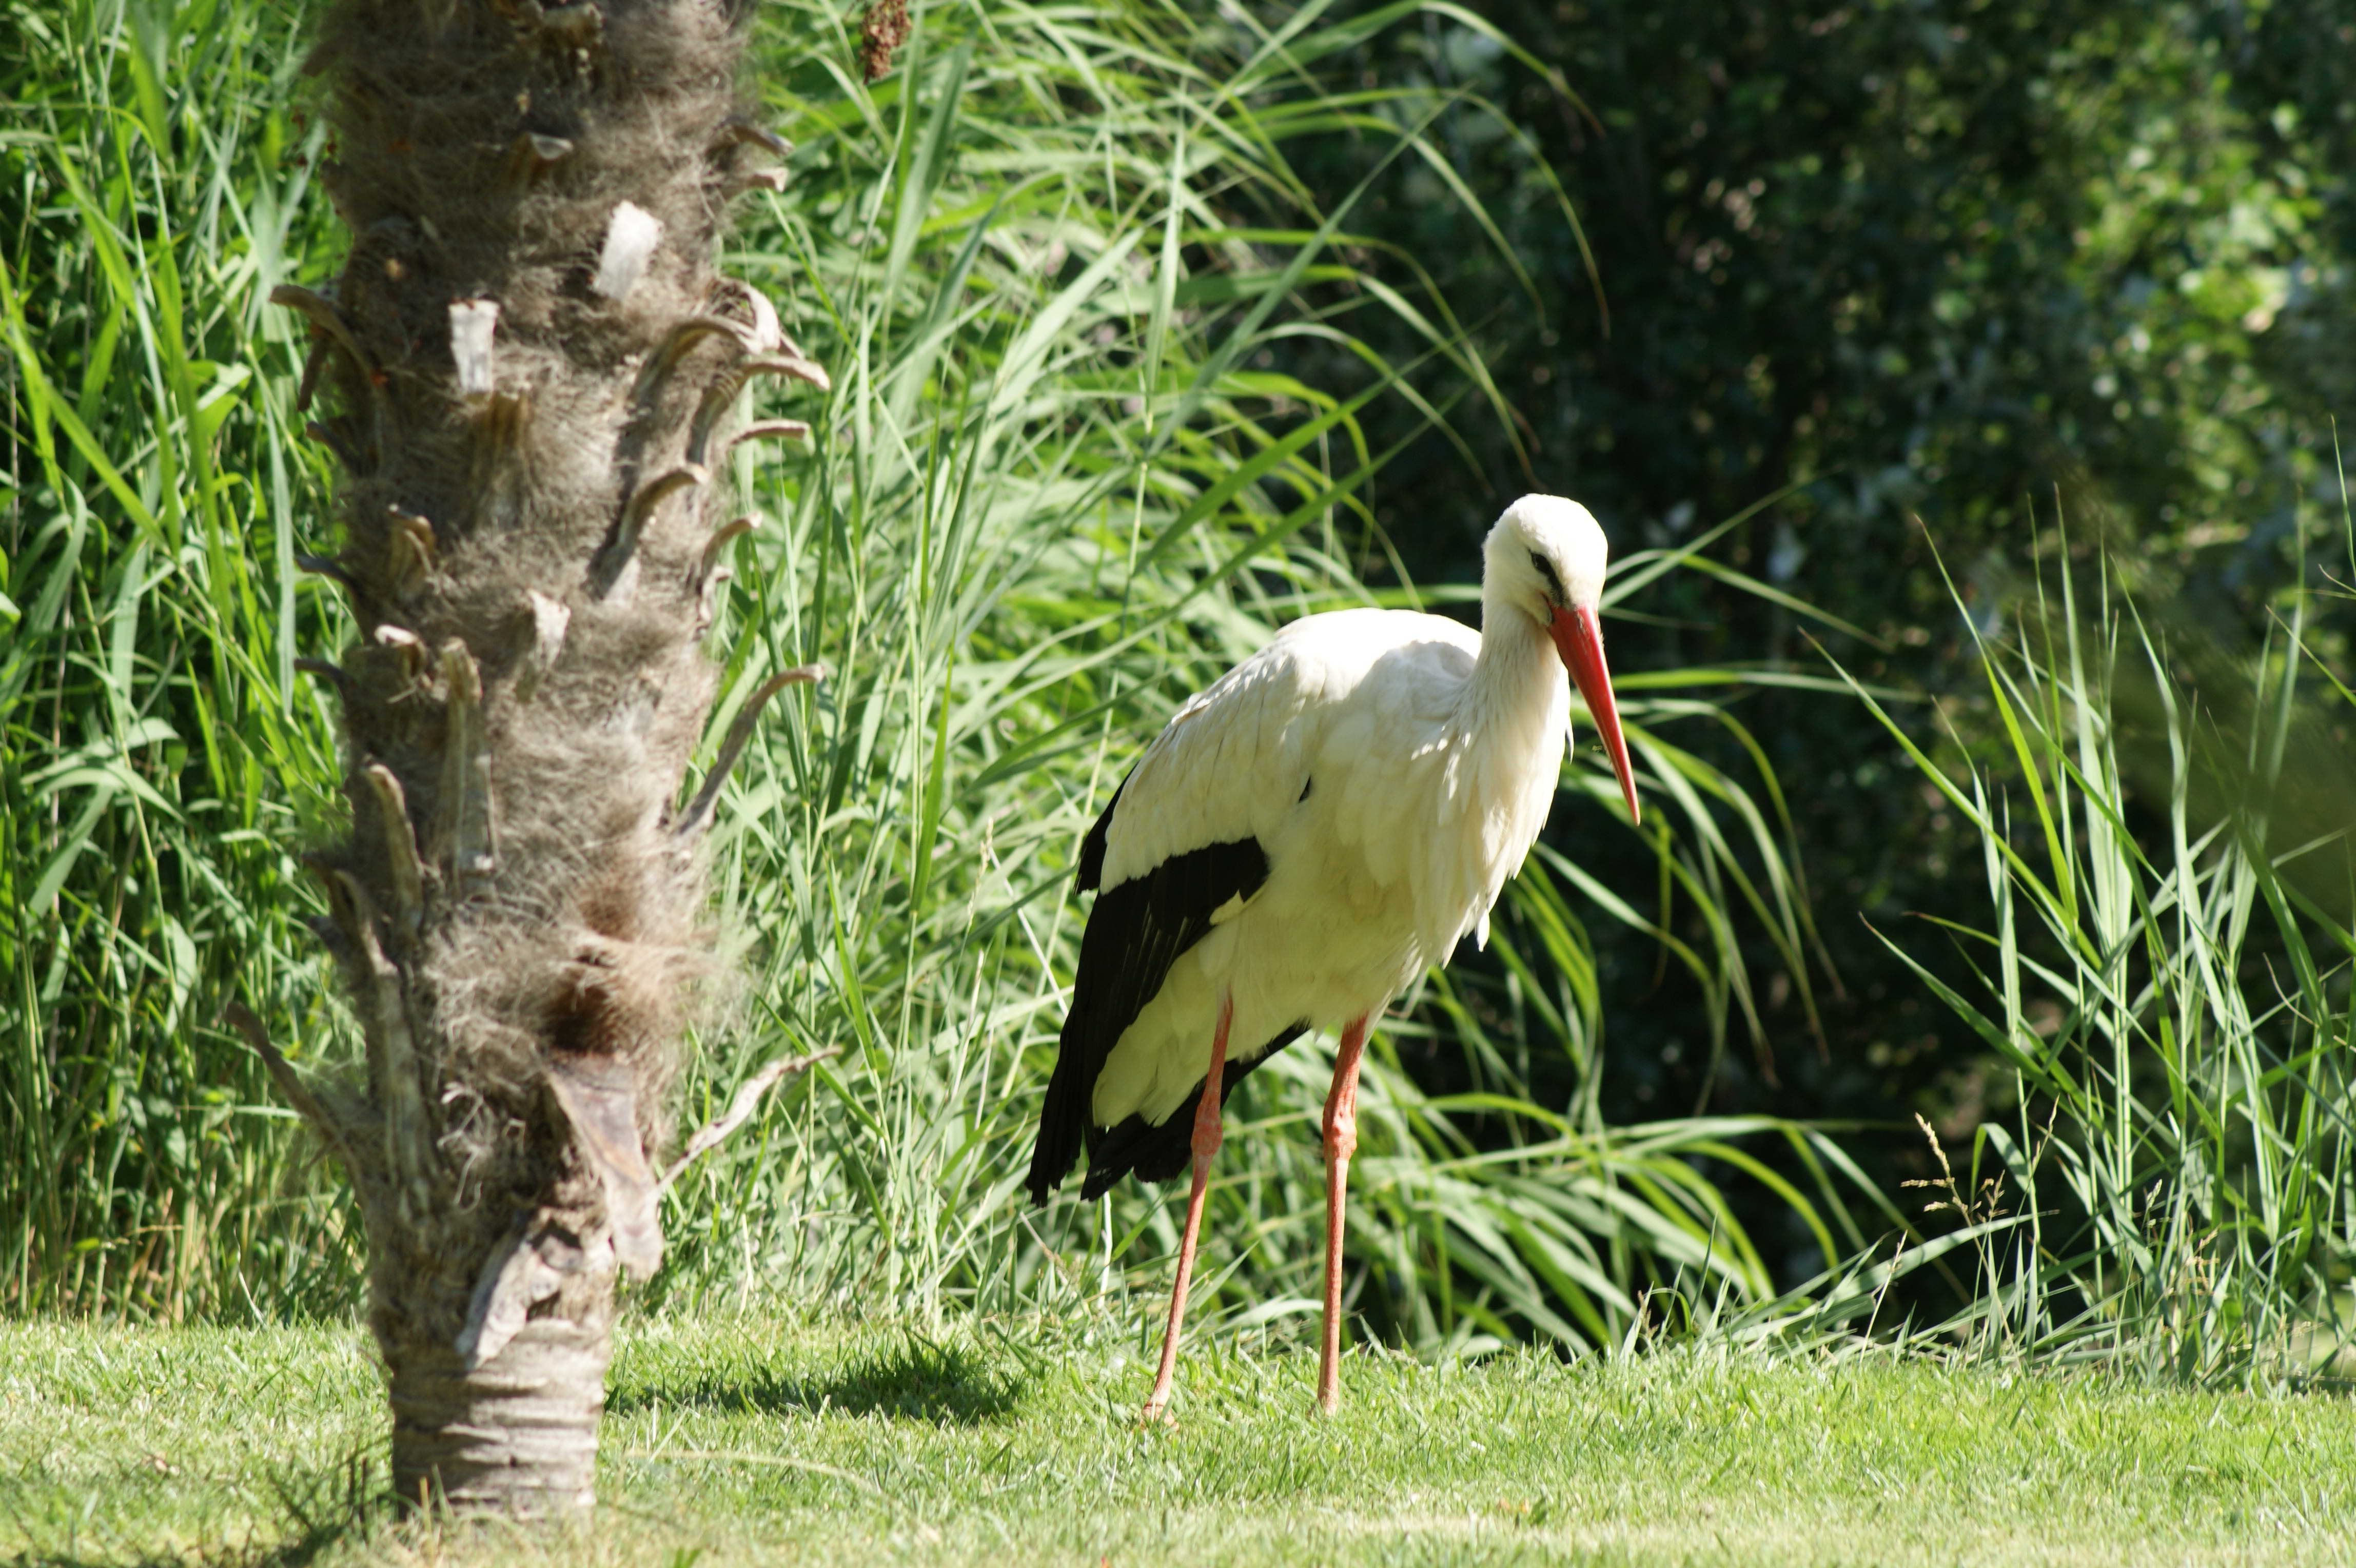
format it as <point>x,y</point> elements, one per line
<point>882,32</point>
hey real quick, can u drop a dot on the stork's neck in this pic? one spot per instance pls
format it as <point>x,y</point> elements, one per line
<point>1515,681</point>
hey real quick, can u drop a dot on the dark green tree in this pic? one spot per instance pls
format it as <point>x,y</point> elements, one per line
<point>1926,261</point>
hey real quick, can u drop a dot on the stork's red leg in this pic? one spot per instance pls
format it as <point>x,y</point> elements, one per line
<point>1206,1144</point>
<point>1341,1143</point>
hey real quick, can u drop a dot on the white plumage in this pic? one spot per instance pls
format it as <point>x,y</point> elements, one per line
<point>1310,833</point>
<point>1422,797</point>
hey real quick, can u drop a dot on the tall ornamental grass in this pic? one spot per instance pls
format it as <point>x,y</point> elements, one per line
<point>1051,260</point>
<point>161,761</point>
<point>1060,490</point>
<point>2165,970</point>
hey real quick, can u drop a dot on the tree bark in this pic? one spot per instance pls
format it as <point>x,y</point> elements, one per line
<point>530,365</point>
<point>517,1435</point>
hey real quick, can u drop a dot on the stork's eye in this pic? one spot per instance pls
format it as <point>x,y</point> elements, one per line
<point>1545,570</point>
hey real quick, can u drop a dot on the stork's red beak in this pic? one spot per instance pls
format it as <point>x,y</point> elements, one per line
<point>1579,638</point>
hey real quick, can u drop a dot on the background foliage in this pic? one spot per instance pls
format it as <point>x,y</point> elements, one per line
<point>1944,266</point>
<point>1046,259</point>
<point>1151,329</point>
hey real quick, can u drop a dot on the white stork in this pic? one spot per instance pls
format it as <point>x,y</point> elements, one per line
<point>1326,822</point>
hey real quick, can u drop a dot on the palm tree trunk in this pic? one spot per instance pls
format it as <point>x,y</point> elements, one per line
<point>530,364</point>
<point>516,1435</point>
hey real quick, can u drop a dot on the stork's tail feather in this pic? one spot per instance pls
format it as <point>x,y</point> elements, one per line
<point>1062,1124</point>
<point>1160,1152</point>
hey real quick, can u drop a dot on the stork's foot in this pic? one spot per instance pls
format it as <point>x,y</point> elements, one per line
<point>1329,1389</point>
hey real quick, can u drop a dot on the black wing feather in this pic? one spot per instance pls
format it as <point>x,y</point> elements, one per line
<point>1134,934</point>
<point>1092,848</point>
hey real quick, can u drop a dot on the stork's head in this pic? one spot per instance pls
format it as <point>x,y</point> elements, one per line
<point>1545,559</point>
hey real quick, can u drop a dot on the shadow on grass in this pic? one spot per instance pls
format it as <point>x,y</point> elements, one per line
<point>318,1511</point>
<point>915,1381</point>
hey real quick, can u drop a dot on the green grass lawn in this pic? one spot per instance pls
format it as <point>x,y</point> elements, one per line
<point>748,1440</point>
